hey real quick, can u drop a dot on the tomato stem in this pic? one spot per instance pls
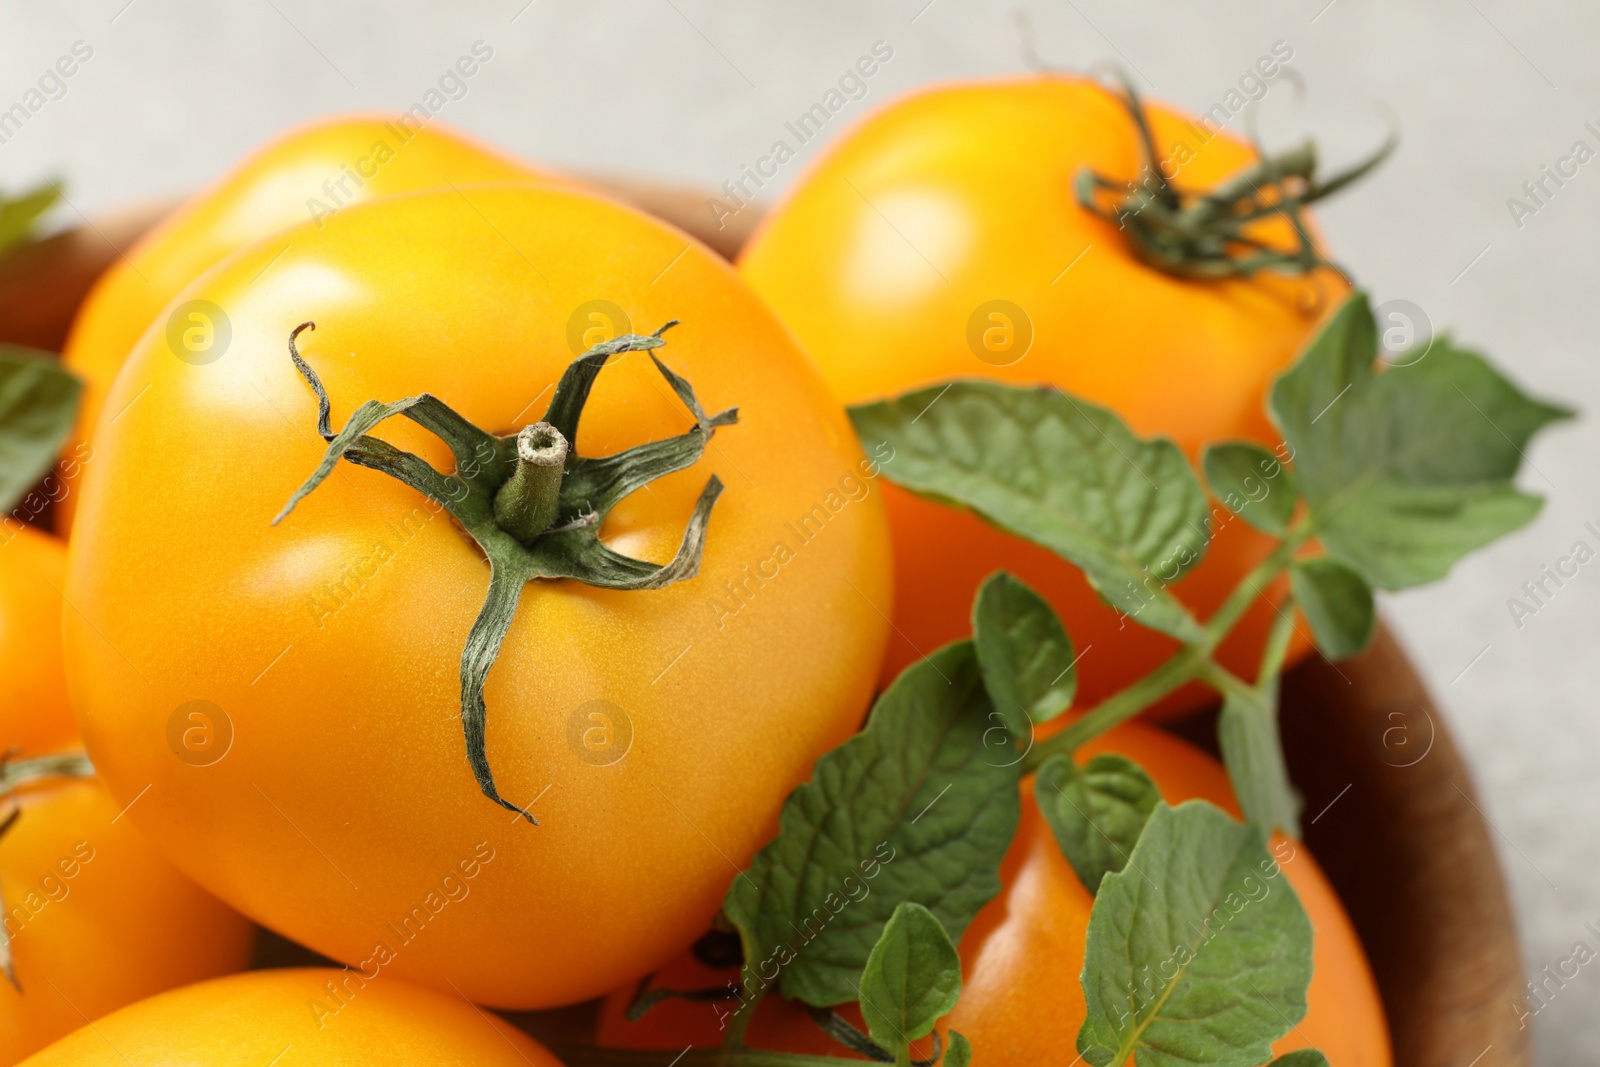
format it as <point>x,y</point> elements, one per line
<point>1193,662</point>
<point>1204,235</point>
<point>530,500</point>
<point>1121,706</point>
<point>739,1021</point>
<point>1251,586</point>
<point>62,765</point>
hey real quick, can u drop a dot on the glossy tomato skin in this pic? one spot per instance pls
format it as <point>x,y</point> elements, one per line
<point>34,707</point>
<point>885,254</point>
<point>327,1017</point>
<point>309,173</point>
<point>330,644</point>
<point>97,918</point>
<point>1021,1003</point>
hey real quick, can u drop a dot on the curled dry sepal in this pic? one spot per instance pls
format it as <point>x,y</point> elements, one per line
<point>1209,234</point>
<point>530,501</point>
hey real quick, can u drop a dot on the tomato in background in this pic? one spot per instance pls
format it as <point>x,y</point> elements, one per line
<point>312,172</point>
<point>96,918</point>
<point>941,238</point>
<point>35,715</point>
<point>256,1018</point>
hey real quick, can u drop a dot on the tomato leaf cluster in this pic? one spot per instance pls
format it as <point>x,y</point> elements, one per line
<point>1197,951</point>
<point>1189,910</point>
<point>1397,472</point>
<point>1405,469</point>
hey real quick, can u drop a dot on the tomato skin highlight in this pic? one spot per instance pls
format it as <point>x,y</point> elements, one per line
<point>98,920</point>
<point>882,257</point>
<point>279,185</point>
<point>330,1018</point>
<point>331,643</point>
<point>33,681</point>
<point>1021,1001</point>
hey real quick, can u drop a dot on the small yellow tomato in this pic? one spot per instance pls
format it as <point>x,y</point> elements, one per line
<point>96,918</point>
<point>941,238</point>
<point>299,1018</point>
<point>35,715</point>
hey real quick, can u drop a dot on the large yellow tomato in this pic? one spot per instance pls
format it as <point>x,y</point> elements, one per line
<point>96,918</point>
<point>1021,1002</point>
<point>34,710</point>
<point>310,173</point>
<point>654,734</point>
<point>299,1018</point>
<point>941,238</point>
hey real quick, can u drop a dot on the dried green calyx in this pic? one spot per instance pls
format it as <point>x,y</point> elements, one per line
<point>1202,235</point>
<point>530,501</point>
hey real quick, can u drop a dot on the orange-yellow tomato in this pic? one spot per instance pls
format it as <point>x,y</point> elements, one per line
<point>887,259</point>
<point>299,1018</point>
<point>34,710</point>
<point>1021,1003</point>
<point>341,810</point>
<point>309,173</point>
<point>96,918</point>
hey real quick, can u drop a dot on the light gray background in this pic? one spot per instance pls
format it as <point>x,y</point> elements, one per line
<point>1484,91</point>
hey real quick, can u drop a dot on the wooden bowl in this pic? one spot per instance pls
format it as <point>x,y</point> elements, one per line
<point>1390,808</point>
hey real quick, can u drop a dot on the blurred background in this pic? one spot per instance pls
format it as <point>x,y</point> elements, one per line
<point>1486,94</point>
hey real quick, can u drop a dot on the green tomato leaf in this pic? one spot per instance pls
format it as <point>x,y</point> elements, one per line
<point>1252,484</point>
<point>960,1054</point>
<point>1247,732</point>
<point>1024,653</point>
<point>1198,953</point>
<point>1301,1057</point>
<point>1337,602</point>
<point>912,978</point>
<point>1409,468</point>
<point>915,808</point>
<point>1061,472</point>
<point>19,215</point>
<point>1096,813</point>
<point>38,403</point>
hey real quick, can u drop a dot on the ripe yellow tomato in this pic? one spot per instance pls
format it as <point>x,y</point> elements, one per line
<point>941,238</point>
<point>273,1017</point>
<point>653,734</point>
<point>35,715</point>
<point>96,918</point>
<point>1021,1003</point>
<point>312,172</point>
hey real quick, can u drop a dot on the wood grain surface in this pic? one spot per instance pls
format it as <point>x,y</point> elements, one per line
<point>1390,809</point>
